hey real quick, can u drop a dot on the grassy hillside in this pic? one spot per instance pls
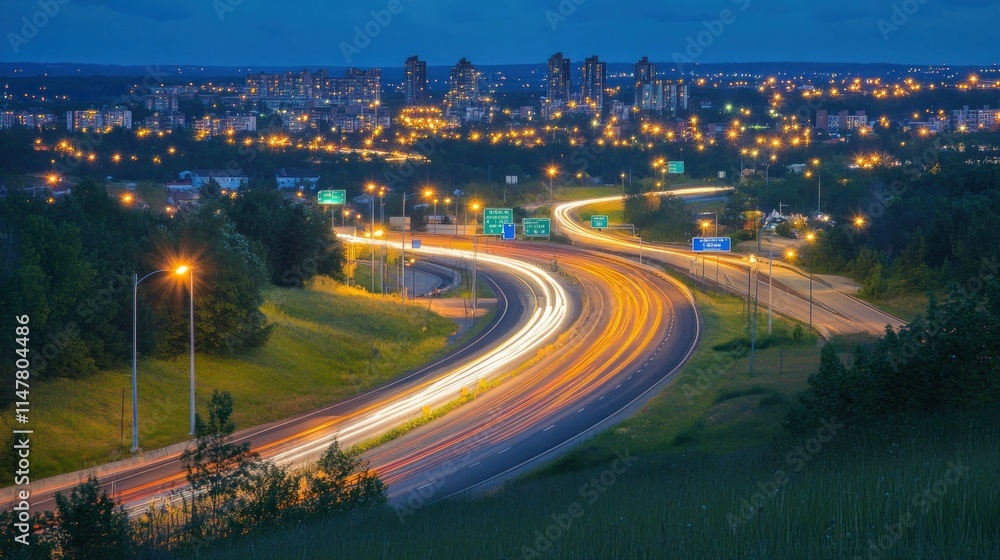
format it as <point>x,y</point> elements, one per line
<point>329,342</point>
<point>706,471</point>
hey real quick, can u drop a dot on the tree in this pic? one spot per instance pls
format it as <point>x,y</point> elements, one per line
<point>343,482</point>
<point>217,469</point>
<point>90,526</point>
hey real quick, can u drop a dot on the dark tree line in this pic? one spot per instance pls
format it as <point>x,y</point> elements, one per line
<point>944,362</point>
<point>232,493</point>
<point>68,264</point>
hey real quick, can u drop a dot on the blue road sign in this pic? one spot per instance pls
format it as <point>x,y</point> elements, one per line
<point>508,232</point>
<point>415,244</point>
<point>712,245</point>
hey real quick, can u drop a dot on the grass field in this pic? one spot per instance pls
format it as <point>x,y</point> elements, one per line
<point>330,342</point>
<point>705,471</point>
<point>613,210</point>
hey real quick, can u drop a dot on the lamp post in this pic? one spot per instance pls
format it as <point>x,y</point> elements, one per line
<point>753,261</point>
<point>135,337</point>
<point>402,251</point>
<point>753,333</point>
<point>770,281</point>
<point>819,185</point>
<point>190,272</point>
<point>552,171</point>
<point>371,197</point>
<point>623,183</point>
<point>810,238</point>
<point>447,201</point>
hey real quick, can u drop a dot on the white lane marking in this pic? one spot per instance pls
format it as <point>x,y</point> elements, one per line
<point>504,451</point>
<point>549,428</point>
<point>579,411</point>
<point>474,464</point>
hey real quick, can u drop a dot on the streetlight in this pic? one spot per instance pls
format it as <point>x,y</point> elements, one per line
<point>810,237</point>
<point>190,271</point>
<point>819,185</point>
<point>402,250</point>
<point>135,385</point>
<point>623,183</point>
<point>447,201</point>
<point>552,171</point>
<point>371,197</point>
<point>753,333</point>
<point>753,261</point>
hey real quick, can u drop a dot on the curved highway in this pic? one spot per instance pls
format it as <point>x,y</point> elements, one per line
<point>833,312</point>
<point>521,326</point>
<point>637,328</point>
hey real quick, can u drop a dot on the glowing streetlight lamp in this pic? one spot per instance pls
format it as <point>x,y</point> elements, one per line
<point>552,171</point>
<point>135,385</point>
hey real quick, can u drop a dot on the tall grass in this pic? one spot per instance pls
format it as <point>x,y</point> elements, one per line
<point>851,496</point>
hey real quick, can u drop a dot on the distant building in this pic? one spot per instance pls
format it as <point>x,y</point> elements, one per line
<point>296,178</point>
<point>101,121</point>
<point>463,87</point>
<point>27,119</point>
<point>661,96</point>
<point>227,179</point>
<point>163,99</point>
<point>158,121</point>
<point>415,84</point>
<point>557,82</point>
<point>229,124</point>
<point>595,74</point>
<point>645,74</point>
<point>966,119</point>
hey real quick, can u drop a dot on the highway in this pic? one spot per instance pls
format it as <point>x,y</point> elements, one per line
<point>637,328</point>
<point>833,312</point>
<point>539,310</point>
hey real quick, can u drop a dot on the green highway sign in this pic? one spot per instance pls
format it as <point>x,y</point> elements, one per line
<point>495,218</point>
<point>599,222</point>
<point>536,227</point>
<point>676,167</point>
<point>332,197</point>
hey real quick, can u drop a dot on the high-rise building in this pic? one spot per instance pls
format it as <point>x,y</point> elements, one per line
<point>415,86</point>
<point>557,80</point>
<point>99,121</point>
<point>594,77</point>
<point>645,74</point>
<point>463,86</point>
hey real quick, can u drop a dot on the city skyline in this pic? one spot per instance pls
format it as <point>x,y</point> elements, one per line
<point>386,32</point>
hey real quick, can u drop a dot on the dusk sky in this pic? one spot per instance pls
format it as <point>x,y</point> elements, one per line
<point>319,32</point>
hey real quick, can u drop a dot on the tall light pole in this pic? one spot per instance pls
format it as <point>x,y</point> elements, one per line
<point>447,201</point>
<point>819,185</point>
<point>371,197</point>
<point>190,272</point>
<point>753,261</point>
<point>135,341</point>
<point>402,251</point>
<point>623,183</point>
<point>753,335</point>
<point>810,238</point>
<point>770,280</point>
<point>552,171</point>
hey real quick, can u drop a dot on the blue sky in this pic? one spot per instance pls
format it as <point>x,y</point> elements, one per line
<point>319,32</point>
